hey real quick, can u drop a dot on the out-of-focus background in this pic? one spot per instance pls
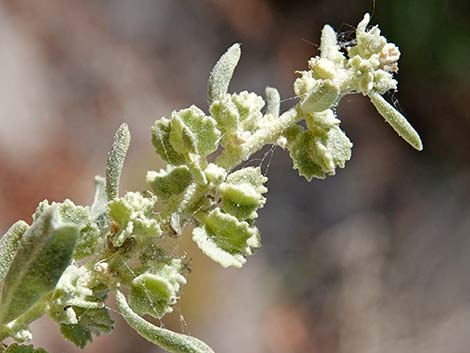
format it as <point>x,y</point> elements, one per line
<point>374,259</point>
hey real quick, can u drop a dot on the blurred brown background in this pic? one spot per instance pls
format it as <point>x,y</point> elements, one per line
<point>374,259</point>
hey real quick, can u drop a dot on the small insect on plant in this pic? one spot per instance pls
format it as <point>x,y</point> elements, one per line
<point>71,258</point>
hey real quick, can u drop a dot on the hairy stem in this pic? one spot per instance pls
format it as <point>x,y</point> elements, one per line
<point>169,340</point>
<point>232,157</point>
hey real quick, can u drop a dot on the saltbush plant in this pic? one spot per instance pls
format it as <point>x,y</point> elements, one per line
<point>72,258</point>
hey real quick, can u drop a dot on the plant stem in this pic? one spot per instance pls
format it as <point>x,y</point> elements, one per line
<point>232,157</point>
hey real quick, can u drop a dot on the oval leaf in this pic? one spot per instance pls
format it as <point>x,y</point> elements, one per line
<point>115,161</point>
<point>151,294</point>
<point>322,98</point>
<point>222,73</point>
<point>44,253</point>
<point>399,123</point>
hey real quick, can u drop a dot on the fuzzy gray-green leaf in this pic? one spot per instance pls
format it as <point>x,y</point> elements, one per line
<point>242,193</point>
<point>161,141</point>
<point>115,161</point>
<point>9,244</point>
<point>91,322</point>
<point>44,253</point>
<point>171,341</point>
<point>170,182</point>
<point>222,73</point>
<point>399,123</point>
<point>321,98</point>
<point>317,154</point>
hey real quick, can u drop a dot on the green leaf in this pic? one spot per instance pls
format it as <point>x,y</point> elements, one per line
<point>171,341</point>
<point>76,334</point>
<point>251,176</point>
<point>151,294</point>
<point>225,239</point>
<point>40,209</point>
<point>206,243</point>
<point>321,98</point>
<point>9,244</point>
<point>339,146</point>
<point>222,73</point>
<point>115,161</point>
<point>77,304</point>
<point>156,291</point>
<point>225,112</point>
<point>194,135</point>
<point>169,182</point>
<point>240,201</point>
<point>44,253</point>
<point>228,232</point>
<point>17,348</point>
<point>193,132</point>
<point>397,121</point>
<point>91,322</point>
<point>318,153</point>
<point>273,100</point>
<point>80,216</point>
<point>161,141</point>
<point>242,193</point>
<point>90,236</point>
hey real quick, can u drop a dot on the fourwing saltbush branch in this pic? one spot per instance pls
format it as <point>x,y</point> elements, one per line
<point>67,262</point>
